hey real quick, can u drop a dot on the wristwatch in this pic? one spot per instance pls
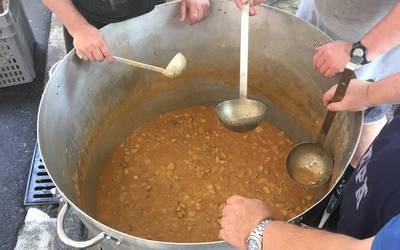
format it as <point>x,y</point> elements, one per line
<point>254,241</point>
<point>358,49</point>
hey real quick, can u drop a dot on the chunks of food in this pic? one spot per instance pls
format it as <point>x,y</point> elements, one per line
<point>170,178</point>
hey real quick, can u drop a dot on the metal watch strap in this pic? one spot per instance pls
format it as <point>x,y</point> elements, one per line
<point>258,232</point>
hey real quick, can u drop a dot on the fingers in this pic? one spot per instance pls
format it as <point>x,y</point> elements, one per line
<point>252,11</point>
<point>330,73</point>
<point>78,55</point>
<point>198,10</point>
<point>220,234</point>
<point>183,11</point>
<point>194,16</point>
<point>318,59</point>
<point>239,4</point>
<point>95,53</point>
<point>324,68</point>
<point>107,53</point>
<point>234,199</point>
<point>333,55</point>
<point>90,45</point>
<point>195,11</point>
<point>86,54</point>
<point>84,51</point>
<point>328,96</point>
<point>335,106</point>
<point>81,55</point>
<point>98,56</point>
<point>321,63</point>
<point>224,220</point>
<point>225,211</point>
<point>206,11</point>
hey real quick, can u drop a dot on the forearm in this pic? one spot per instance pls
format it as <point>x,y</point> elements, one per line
<point>384,36</point>
<point>67,13</point>
<point>285,236</point>
<point>386,90</point>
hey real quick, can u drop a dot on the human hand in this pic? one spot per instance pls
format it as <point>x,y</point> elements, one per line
<point>240,216</point>
<point>253,3</point>
<point>356,99</point>
<point>332,58</point>
<point>90,44</point>
<point>194,10</point>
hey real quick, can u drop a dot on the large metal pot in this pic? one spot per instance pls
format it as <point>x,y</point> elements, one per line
<point>88,108</point>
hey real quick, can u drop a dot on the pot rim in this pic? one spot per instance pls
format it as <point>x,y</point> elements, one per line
<point>116,233</point>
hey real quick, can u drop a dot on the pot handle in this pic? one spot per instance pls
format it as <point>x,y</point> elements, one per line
<point>76,244</point>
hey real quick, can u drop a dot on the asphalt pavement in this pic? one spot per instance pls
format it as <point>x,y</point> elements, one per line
<point>18,113</point>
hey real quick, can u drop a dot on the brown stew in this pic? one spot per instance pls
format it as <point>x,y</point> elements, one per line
<point>170,178</point>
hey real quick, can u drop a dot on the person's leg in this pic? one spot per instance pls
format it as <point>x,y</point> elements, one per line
<point>374,120</point>
<point>369,132</point>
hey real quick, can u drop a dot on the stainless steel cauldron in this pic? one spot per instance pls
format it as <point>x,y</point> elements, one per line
<point>88,108</point>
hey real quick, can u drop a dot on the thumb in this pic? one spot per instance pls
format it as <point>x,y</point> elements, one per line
<point>183,10</point>
<point>335,106</point>
<point>328,96</point>
<point>239,4</point>
<point>253,11</point>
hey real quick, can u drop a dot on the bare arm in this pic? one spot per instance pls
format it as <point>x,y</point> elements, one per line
<point>386,90</point>
<point>285,236</point>
<point>385,35</point>
<point>331,58</point>
<point>67,13</point>
<point>241,215</point>
<point>361,94</point>
<point>88,40</point>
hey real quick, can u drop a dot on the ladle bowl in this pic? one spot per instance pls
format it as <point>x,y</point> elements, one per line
<point>309,164</point>
<point>241,115</point>
<point>176,66</point>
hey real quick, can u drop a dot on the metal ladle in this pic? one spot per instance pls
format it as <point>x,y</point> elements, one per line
<point>241,115</point>
<point>174,68</point>
<point>310,164</point>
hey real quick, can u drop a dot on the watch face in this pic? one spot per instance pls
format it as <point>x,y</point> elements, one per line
<point>358,52</point>
<point>253,244</point>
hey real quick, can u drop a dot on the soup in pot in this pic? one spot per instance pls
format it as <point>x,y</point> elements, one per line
<point>170,178</point>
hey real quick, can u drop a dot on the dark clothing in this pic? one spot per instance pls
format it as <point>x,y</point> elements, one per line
<point>102,12</point>
<point>68,40</point>
<point>372,195</point>
<point>99,13</point>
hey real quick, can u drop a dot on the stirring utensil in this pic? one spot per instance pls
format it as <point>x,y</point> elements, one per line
<point>174,68</point>
<point>310,164</point>
<point>241,115</point>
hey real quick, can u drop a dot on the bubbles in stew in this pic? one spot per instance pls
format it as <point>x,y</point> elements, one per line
<point>170,178</point>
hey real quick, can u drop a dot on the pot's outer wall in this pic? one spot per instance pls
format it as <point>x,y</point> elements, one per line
<point>75,118</point>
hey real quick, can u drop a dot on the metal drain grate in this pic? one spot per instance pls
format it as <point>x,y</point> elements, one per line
<point>39,185</point>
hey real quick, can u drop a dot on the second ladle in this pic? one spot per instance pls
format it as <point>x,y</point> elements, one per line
<point>241,115</point>
<point>310,164</point>
<point>174,68</point>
